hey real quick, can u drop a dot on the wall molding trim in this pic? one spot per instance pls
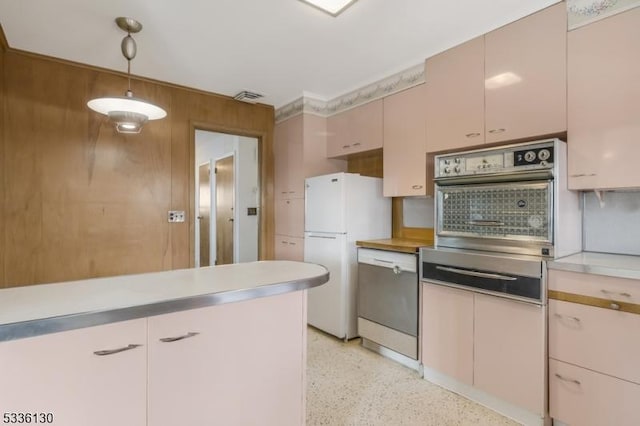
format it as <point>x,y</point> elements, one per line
<point>395,83</point>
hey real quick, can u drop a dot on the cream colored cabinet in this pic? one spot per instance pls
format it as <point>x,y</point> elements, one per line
<point>488,348</point>
<point>604,100</point>
<point>300,151</point>
<point>356,130</point>
<point>455,97</point>
<point>447,331</point>
<point>509,84</point>
<point>288,155</point>
<point>509,351</point>
<point>526,77</point>
<point>404,155</point>
<point>594,349</point>
<point>232,364</point>
<point>289,248</point>
<point>90,376</point>
<point>290,217</point>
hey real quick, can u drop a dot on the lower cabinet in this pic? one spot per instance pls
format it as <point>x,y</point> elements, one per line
<point>582,397</point>
<point>233,364</point>
<point>289,248</point>
<point>488,348</point>
<point>90,376</point>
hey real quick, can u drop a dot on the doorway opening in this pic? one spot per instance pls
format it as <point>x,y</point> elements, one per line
<point>227,198</point>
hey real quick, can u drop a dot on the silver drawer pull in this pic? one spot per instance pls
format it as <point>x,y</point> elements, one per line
<point>175,339</point>
<point>485,222</point>
<point>345,146</point>
<point>397,270</point>
<point>357,144</point>
<point>493,131</point>
<point>416,187</point>
<point>116,351</point>
<point>382,261</point>
<point>583,174</point>
<point>566,379</point>
<point>613,293</point>
<point>475,273</point>
<point>614,306</point>
<point>576,319</point>
<point>472,135</point>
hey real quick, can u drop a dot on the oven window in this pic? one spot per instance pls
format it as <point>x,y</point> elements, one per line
<point>507,210</point>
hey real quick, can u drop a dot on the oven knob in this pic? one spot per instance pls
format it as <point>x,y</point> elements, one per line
<point>529,156</point>
<point>447,169</point>
<point>457,169</point>
<point>457,160</point>
<point>544,154</point>
<point>447,161</point>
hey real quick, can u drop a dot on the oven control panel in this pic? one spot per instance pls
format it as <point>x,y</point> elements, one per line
<point>529,156</point>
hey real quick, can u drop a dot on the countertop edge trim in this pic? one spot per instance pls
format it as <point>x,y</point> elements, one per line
<point>596,302</point>
<point>39,327</point>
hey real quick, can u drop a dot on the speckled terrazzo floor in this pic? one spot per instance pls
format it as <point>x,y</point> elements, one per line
<point>350,385</point>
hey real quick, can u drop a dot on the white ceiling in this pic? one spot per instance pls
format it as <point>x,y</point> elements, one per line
<point>280,48</point>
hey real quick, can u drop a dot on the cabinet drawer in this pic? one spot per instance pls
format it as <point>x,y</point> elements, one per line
<point>620,289</point>
<point>599,339</point>
<point>580,397</point>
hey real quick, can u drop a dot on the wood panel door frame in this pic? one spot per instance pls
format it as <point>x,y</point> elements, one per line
<point>266,225</point>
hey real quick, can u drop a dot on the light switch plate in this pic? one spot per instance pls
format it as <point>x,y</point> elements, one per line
<point>176,216</point>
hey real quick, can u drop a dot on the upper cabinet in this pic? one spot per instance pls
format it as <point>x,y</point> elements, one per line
<point>404,155</point>
<point>356,130</point>
<point>455,97</point>
<point>509,84</point>
<point>604,103</point>
<point>287,147</point>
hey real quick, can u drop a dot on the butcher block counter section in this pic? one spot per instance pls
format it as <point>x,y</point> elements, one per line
<point>48,308</point>
<point>395,244</point>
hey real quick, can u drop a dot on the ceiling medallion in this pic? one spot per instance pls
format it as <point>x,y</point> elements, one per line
<point>127,112</point>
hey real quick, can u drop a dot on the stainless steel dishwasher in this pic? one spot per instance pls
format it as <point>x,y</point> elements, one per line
<point>388,302</point>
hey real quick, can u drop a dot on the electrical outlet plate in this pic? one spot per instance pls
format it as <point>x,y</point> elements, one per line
<point>175,216</point>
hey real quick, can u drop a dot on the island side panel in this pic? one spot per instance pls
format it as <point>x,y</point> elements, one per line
<point>245,365</point>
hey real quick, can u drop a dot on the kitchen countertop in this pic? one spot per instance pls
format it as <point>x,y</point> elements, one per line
<point>48,308</point>
<point>613,265</point>
<point>395,244</point>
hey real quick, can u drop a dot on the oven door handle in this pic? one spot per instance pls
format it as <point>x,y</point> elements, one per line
<point>476,274</point>
<point>485,222</point>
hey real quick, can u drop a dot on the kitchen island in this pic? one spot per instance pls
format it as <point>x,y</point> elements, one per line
<point>194,346</point>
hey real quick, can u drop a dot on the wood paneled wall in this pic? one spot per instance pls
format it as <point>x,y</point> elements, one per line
<point>2,155</point>
<point>81,200</point>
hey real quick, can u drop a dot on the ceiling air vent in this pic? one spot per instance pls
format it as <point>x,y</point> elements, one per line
<point>247,96</point>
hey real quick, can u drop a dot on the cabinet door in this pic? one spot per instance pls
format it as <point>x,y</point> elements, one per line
<point>447,331</point>
<point>366,126</point>
<point>296,249</point>
<point>526,77</point>
<point>455,97</point>
<point>338,135</point>
<point>295,159</point>
<point>244,367</point>
<point>509,351</point>
<point>574,329</point>
<point>61,374</point>
<point>282,247</point>
<point>581,397</point>
<point>280,159</point>
<point>604,100</point>
<point>404,155</point>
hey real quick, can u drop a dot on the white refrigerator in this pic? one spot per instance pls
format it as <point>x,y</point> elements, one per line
<point>340,209</point>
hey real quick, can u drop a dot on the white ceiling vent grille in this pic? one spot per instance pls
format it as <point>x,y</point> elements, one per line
<point>247,96</point>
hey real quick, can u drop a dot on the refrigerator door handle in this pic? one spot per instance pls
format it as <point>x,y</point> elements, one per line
<point>322,236</point>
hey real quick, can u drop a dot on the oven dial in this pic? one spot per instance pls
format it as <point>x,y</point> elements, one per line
<point>447,161</point>
<point>544,154</point>
<point>457,160</point>
<point>457,169</point>
<point>447,169</point>
<point>529,156</point>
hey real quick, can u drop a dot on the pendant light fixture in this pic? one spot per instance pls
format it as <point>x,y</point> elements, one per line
<point>127,112</point>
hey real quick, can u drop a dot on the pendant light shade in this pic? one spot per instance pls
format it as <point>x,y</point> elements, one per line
<point>127,112</point>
